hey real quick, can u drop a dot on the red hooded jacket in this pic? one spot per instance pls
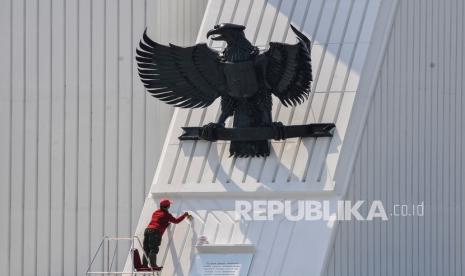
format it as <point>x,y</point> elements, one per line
<point>161,219</point>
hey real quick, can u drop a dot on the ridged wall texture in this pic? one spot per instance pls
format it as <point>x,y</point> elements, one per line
<point>412,151</point>
<point>341,32</point>
<point>202,178</point>
<point>79,140</point>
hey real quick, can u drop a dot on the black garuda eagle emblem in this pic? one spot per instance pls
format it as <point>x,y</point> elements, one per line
<point>242,76</point>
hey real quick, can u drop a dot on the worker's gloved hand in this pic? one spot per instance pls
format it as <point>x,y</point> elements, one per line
<point>189,217</point>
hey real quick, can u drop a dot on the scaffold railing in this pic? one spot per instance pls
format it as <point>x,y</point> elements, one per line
<point>108,249</point>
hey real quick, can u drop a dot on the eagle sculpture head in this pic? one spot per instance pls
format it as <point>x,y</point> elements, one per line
<point>227,32</point>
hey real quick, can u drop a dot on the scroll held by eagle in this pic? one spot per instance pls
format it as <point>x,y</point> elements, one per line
<point>242,76</point>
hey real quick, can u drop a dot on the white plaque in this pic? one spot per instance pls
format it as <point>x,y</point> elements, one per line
<point>221,264</point>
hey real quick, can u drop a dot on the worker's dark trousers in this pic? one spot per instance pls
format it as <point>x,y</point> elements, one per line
<point>152,240</point>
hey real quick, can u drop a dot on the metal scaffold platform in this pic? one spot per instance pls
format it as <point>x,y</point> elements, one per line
<point>103,262</point>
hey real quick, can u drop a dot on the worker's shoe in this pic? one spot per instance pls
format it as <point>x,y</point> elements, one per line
<point>157,268</point>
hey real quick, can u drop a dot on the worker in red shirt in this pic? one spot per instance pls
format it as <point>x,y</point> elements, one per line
<point>161,219</point>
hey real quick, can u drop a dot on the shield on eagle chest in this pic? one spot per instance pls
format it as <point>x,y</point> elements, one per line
<point>241,79</point>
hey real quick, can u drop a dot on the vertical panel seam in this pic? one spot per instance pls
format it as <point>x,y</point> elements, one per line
<point>62,253</point>
<point>461,150</point>
<point>78,120</point>
<point>49,265</point>
<point>36,203</point>
<point>91,73</point>
<point>118,3</point>
<point>104,136</point>
<point>144,129</point>
<point>131,121</point>
<point>10,151</point>
<point>23,153</point>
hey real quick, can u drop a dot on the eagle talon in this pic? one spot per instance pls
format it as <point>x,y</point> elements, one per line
<point>209,131</point>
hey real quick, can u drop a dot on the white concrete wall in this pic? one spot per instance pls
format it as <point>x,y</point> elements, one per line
<point>341,33</point>
<point>412,151</point>
<point>79,140</point>
<point>204,180</point>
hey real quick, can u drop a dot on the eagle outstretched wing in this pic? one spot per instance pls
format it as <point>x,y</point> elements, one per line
<point>184,77</point>
<point>288,71</point>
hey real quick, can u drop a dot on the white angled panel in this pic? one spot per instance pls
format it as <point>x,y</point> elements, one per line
<point>204,180</point>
